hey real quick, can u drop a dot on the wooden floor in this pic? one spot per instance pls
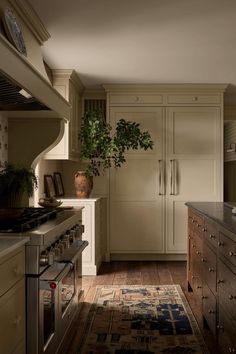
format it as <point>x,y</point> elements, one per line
<point>138,273</point>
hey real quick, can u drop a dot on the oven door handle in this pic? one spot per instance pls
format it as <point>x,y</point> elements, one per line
<point>71,254</point>
<point>55,273</point>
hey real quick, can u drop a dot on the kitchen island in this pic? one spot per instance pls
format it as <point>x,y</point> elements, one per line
<point>211,270</point>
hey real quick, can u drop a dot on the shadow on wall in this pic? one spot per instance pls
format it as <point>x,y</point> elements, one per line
<point>230,181</point>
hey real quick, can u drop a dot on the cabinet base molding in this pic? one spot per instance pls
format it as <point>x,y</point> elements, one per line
<point>147,257</point>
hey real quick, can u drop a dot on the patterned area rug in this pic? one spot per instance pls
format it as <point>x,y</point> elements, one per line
<point>141,320</point>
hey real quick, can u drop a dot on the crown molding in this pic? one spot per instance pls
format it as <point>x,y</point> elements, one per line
<point>31,19</point>
<point>69,74</point>
<point>166,88</point>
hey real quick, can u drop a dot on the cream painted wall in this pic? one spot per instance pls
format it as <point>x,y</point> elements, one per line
<point>46,167</point>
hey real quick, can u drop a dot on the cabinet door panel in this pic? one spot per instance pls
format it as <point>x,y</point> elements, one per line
<point>136,227</point>
<point>193,144</point>
<point>193,131</point>
<point>136,208</point>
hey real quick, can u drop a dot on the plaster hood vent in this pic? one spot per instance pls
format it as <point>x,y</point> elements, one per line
<point>26,71</point>
<point>14,98</point>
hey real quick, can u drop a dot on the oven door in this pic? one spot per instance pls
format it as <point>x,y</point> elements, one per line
<point>49,302</point>
<point>70,287</point>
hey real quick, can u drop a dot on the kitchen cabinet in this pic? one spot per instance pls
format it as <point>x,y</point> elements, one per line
<point>12,302</point>
<point>94,219</point>
<point>215,270</point>
<point>148,194</point>
<point>68,84</point>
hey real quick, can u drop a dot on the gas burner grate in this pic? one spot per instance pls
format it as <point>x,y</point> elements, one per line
<point>29,219</point>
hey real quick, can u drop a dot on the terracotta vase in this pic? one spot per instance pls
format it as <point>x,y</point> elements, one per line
<point>83,185</point>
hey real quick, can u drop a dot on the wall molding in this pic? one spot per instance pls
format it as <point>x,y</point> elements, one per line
<point>31,19</point>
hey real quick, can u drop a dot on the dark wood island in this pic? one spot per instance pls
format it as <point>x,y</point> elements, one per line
<point>211,270</point>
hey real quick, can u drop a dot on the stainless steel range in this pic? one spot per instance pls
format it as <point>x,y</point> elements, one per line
<point>53,273</point>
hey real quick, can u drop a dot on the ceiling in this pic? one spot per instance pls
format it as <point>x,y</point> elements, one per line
<point>142,41</point>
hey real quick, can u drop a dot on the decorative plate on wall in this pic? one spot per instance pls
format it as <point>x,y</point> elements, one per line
<point>13,31</point>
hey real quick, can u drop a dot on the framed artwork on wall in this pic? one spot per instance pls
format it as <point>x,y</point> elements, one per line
<point>59,188</point>
<point>49,186</point>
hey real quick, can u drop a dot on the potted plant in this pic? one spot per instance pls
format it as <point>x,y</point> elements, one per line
<point>102,147</point>
<point>14,182</point>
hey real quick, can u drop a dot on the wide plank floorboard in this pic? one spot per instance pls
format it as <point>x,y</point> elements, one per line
<point>137,273</point>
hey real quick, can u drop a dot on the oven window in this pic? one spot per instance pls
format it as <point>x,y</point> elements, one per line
<point>48,297</point>
<point>67,289</point>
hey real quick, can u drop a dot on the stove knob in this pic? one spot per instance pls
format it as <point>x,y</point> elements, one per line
<point>79,231</point>
<point>51,256</point>
<point>57,252</point>
<point>43,259</point>
<point>66,241</point>
<point>72,235</point>
<point>61,246</point>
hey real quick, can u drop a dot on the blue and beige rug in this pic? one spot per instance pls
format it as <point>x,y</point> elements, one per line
<point>141,320</point>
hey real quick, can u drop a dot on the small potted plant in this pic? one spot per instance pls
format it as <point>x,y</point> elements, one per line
<point>102,147</point>
<point>15,181</point>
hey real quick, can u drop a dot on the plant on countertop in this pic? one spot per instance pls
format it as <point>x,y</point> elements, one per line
<point>102,148</point>
<point>15,180</point>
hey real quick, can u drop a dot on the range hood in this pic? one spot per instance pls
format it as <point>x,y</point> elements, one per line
<point>36,122</point>
<point>14,98</point>
<point>17,72</point>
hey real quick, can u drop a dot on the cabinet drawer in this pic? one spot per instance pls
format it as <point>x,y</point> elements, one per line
<point>209,267</point>
<point>209,308</point>
<point>12,314</point>
<point>227,247</point>
<point>211,233</point>
<point>226,333</point>
<point>198,222</point>
<point>11,271</point>
<point>194,99</point>
<point>227,289</point>
<point>136,98</point>
<point>197,288</point>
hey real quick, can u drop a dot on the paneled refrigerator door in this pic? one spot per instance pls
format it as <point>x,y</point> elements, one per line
<point>137,189</point>
<point>194,170</point>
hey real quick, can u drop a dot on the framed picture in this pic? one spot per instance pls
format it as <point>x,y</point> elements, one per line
<point>58,184</point>
<point>49,186</point>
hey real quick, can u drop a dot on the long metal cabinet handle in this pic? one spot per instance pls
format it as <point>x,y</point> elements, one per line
<point>161,178</point>
<point>172,177</point>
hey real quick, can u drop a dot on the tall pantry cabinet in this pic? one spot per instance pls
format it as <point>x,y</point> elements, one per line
<point>148,216</point>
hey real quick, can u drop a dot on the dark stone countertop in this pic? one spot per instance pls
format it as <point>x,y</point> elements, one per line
<point>217,211</point>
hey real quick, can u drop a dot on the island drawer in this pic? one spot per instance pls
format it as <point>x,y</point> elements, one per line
<point>227,289</point>
<point>227,248</point>
<point>211,233</point>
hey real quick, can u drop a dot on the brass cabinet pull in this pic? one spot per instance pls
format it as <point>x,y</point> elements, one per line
<point>232,297</point>
<point>211,312</point>
<point>161,178</point>
<point>220,281</point>
<point>212,236</point>
<point>211,269</point>
<point>231,254</point>
<point>173,177</point>
<point>220,327</point>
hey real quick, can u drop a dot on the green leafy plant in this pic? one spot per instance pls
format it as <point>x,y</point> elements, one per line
<point>14,182</point>
<point>102,148</point>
